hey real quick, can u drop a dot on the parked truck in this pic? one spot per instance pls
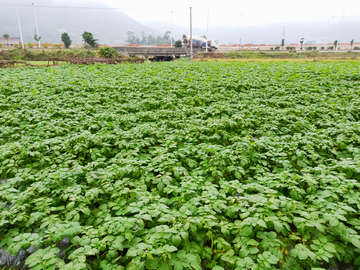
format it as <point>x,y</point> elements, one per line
<point>200,42</point>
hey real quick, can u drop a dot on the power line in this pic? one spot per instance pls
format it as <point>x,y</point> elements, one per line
<point>279,15</point>
<point>44,6</point>
<point>170,8</point>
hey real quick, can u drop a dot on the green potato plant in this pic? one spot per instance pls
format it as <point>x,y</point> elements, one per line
<point>182,165</point>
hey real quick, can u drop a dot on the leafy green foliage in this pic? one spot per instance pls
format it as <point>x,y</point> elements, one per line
<point>107,52</point>
<point>37,39</point>
<point>89,39</point>
<point>6,36</point>
<point>182,165</point>
<point>178,44</point>
<point>65,38</point>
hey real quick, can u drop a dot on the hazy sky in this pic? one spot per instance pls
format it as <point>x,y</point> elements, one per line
<point>227,12</point>
<point>318,20</point>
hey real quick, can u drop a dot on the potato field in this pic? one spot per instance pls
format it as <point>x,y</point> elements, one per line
<point>181,165</point>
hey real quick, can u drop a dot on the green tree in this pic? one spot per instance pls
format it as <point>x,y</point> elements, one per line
<point>144,38</point>
<point>166,37</point>
<point>1,45</point>
<point>152,40</point>
<point>283,43</point>
<point>178,44</point>
<point>89,39</point>
<point>107,52</point>
<point>66,39</point>
<point>37,39</point>
<point>335,44</point>
<point>131,37</point>
<point>6,36</point>
<point>351,43</point>
<point>301,43</point>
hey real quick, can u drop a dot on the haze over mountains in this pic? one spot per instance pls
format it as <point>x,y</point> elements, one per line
<point>110,26</point>
<point>312,30</point>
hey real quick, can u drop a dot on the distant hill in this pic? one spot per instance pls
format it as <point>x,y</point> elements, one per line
<point>108,25</point>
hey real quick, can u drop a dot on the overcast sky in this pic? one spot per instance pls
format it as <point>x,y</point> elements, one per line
<point>319,20</point>
<point>227,12</point>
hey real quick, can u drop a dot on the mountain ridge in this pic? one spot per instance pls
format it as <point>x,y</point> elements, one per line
<point>108,25</point>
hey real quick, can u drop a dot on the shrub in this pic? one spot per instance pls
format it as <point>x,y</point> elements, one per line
<point>1,45</point>
<point>107,52</point>
<point>66,39</point>
<point>309,48</point>
<point>271,49</point>
<point>30,45</point>
<point>322,48</point>
<point>17,45</point>
<point>178,44</point>
<point>330,48</point>
<point>57,46</point>
<point>89,39</point>
<point>45,46</point>
<point>277,48</point>
<point>356,48</point>
<point>314,48</point>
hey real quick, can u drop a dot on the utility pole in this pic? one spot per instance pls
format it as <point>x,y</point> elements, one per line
<point>171,29</point>
<point>327,30</point>
<point>237,41</point>
<point>191,44</point>
<point>283,35</point>
<point>37,28</point>
<point>342,20</point>
<point>21,37</point>
<point>207,29</point>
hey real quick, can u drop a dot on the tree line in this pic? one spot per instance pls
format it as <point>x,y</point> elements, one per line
<point>150,39</point>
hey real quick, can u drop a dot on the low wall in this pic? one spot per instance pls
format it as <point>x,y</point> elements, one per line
<point>155,51</point>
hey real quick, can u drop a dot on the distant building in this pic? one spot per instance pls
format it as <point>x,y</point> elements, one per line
<point>11,41</point>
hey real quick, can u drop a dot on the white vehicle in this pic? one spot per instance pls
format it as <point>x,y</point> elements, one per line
<point>200,42</point>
